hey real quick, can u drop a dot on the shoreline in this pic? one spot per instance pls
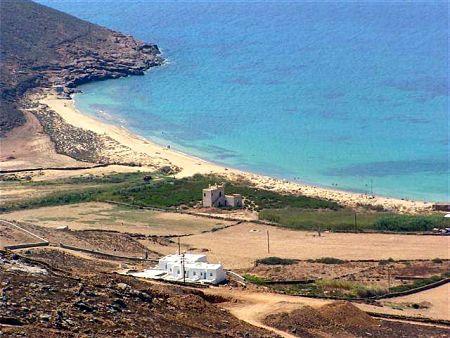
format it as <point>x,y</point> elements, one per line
<point>190,164</point>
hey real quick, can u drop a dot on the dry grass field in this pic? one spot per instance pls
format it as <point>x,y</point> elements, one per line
<point>239,246</point>
<point>18,192</point>
<point>103,216</point>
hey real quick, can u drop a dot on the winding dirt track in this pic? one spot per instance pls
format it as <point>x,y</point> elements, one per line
<point>253,306</point>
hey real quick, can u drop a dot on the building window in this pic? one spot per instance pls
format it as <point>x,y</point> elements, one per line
<point>194,273</point>
<point>210,274</point>
<point>204,194</point>
<point>220,194</point>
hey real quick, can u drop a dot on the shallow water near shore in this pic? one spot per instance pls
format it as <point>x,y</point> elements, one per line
<point>345,95</point>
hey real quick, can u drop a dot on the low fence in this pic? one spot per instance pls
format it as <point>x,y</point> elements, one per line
<point>25,245</point>
<point>104,254</point>
<point>42,241</point>
<point>409,318</point>
<point>300,281</point>
<point>7,223</point>
<point>235,275</point>
<point>410,277</point>
<point>372,298</point>
<point>415,290</point>
<point>192,213</point>
<point>12,171</point>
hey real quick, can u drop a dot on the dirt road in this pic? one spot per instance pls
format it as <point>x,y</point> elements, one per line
<point>254,306</point>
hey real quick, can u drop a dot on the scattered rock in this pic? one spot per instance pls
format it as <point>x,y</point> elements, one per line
<point>83,306</point>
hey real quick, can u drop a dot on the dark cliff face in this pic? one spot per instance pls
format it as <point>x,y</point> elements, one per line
<point>41,47</point>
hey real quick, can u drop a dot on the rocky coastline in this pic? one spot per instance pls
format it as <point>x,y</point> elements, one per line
<point>71,52</point>
<point>43,48</point>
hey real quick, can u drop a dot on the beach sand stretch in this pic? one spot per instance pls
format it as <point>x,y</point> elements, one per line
<point>188,165</point>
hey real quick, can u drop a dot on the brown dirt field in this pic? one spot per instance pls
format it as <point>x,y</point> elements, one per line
<point>333,318</point>
<point>254,305</point>
<point>28,147</point>
<point>378,275</point>
<point>438,300</point>
<point>343,319</point>
<point>77,262</point>
<point>105,242</point>
<point>306,270</point>
<point>12,236</point>
<point>365,273</point>
<point>240,245</point>
<point>105,216</point>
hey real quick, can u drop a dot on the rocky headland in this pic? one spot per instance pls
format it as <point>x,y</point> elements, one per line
<point>44,49</point>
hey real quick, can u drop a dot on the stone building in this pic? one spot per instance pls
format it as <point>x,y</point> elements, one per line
<point>214,196</point>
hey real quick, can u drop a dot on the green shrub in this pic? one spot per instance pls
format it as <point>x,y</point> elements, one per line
<point>163,192</point>
<point>437,260</point>
<point>327,260</point>
<point>327,219</point>
<point>386,261</point>
<point>408,223</point>
<point>417,283</point>
<point>344,220</point>
<point>254,279</point>
<point>350,289</point>
<point>276,261</point>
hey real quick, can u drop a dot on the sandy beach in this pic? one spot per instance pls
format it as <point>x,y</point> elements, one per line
<point>191,165</point>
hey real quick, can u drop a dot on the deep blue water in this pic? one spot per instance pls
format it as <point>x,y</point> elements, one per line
<point>338,93</point>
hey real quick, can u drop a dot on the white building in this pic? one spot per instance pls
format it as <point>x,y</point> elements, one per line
<point>214,196</point>
<point>195,268</point>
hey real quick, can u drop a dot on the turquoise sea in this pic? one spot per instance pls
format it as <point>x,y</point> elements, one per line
<point>340,94</point>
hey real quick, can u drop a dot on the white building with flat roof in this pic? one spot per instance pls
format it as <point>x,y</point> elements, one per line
<point>214,196</point>
<point>191,268</point>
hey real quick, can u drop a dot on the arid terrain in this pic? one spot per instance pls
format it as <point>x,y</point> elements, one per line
<point>83,202</point>
<point>240,245</point>
<point>112,236</point>
<point>103,216</point>
<point>40,299</point>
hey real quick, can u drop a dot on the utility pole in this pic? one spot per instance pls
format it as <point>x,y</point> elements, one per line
<point>179,246</point>
<point>268,243</point>
<point>182,263</point>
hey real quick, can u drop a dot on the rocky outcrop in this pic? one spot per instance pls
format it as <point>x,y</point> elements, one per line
<point>54,294</point>
<point>42,47</point>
